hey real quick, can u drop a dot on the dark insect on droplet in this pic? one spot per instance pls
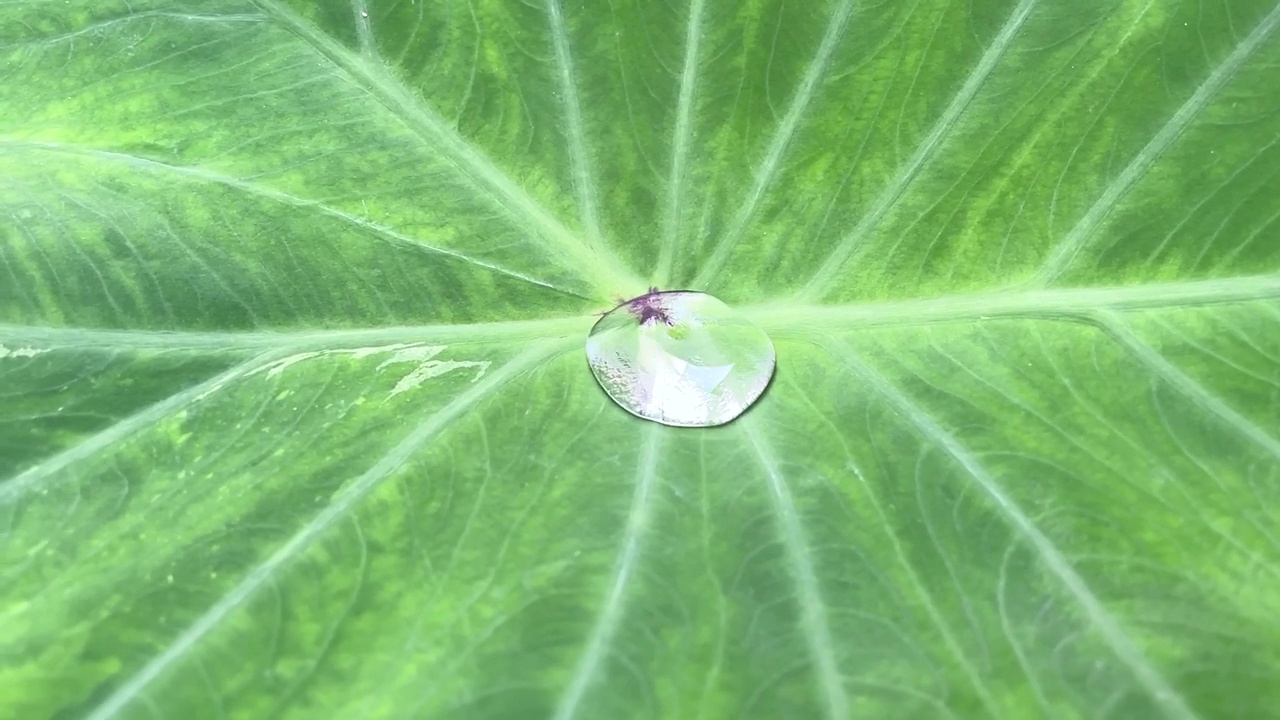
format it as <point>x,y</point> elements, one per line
<point>680,358</point>
<point>649,308</point>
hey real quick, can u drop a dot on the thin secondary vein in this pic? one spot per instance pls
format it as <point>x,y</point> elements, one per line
<point>680,140</point>
<point>596,265</point>
<point>60,338</point>
<point>606,625</point>
<point>1064,253</point>
<point>103,440</point>
<point>252,188</point>
<point>799,319</point>
<point>1185,384</point>
<point>1157,687</point>
<point>927,149</point>
<point>782,136</point>
<point>813,612</point>
<point>579,159</point>
<point>359,488</point>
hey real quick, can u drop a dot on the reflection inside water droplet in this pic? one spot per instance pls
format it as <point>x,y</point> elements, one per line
<point>680,358</point>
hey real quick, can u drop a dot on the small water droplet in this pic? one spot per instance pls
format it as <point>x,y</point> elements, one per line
<point>680,358</point>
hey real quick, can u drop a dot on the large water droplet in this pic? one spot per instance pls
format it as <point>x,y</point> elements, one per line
<point>680,358</point>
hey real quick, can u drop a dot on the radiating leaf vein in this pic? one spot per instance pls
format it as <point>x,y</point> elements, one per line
<point>591,663</point>
<point>826,273</point>
<point>917,586</point>
<point>104,440</point>
<point>680,139</point>
<point>364,29</point>
<point>1157,687</point>
<point>813,611</point>
<point>584,183</point>
<point>596,266</point>
<point>230,341</point>
<point>338,509</point>
<point>772,161</point>
<point>201,174</point>
<point>99,27</point>
<point>1186,385</point>
<point>1063,254</point>
<point>1051,303</point>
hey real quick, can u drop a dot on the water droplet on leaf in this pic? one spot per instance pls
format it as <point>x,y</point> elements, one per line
<point>680,358</point>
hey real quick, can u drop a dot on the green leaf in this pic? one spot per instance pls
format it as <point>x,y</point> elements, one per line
<point>295,419</point>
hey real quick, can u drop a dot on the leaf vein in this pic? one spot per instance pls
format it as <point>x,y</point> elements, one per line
<point>595,265</point>
<point>47,337</point>
<point>364,29</point>
<point>926,598</point>
<point>128,427</point>
<point>258,190</point>
<point>1108,628</point>
<point>614,604</point>
<point>579,159</point>
<point>813,611</point>
<point>788,319</point>
<point>1185,384</point>
<point>849,244</point>
<point>681,136</point>
<point>338,509</point>
<point>782,136</point>
<point>1064,253</point>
